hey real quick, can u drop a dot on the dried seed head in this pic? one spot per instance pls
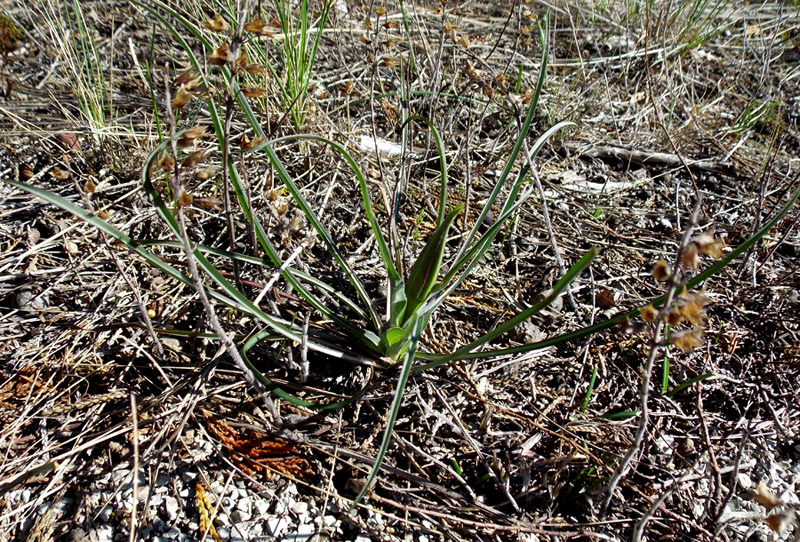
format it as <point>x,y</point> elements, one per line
<point>764,496</point>
<point>187,78</point>
<point>661,271</point>
<point>674,316</point>
<point>193,159</point>
<point>60,174</point>
<point>182,98</point>
<point>205,174</point>
<point>691,259</point>
<point>166,162</point>
<point>691,308</point>
<point>221,56</point>
<point>649,313</point>
<point>90,186</point>
<point>209,203</point>
<point>184,198</point>
<point>241,62</point>
<point>188,137</point>
<point>709,245</point>
<point>255,69</point>
<point>248,143</point>
<point>254,92</point>
<point>687,340</point>
<point>258,27</point>
<point>216,24</point>
<point>781,521</point>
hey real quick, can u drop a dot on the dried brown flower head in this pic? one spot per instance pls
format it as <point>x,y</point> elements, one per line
<point>687,340</point>
<point>661,271</point>
<point>216,24</point>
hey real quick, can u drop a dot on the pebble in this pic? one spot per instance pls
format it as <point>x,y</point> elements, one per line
<point>276,526</point>
<point>237,516</point>
<point>171,507</point>
<point>261,506</point>
<point>300,508</point>
<point>105,514</point>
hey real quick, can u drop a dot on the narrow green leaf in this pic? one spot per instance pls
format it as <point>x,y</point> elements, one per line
<point>417,328</point>
<point>425,271</point>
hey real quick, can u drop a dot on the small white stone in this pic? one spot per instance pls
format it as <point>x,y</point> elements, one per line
<point>362,538</point>
<point>261,506</point>
<point>224,533</point>
<point>171,507</point>
<point>305,531</point>
<point>243,505</point>
<point>276,526</point>
<point>329,521</point>
<point>120,474</point>
<point>281,507</point>
<point>256,529</point>
<point>144,491</point>
<point>104,533</point>
<point>222,520</point>
<point>300,508</point>
<point>173,533</point>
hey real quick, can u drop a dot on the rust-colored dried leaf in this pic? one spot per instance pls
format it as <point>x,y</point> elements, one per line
<point>69,142</point>
<point>256,451</point>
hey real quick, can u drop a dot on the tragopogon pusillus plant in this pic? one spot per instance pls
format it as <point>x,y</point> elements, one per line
<point>389,330</point>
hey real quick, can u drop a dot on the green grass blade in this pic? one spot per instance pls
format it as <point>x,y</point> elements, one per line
<point>417,327</point>
<point>558,289</point>
<point>435,359</point>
